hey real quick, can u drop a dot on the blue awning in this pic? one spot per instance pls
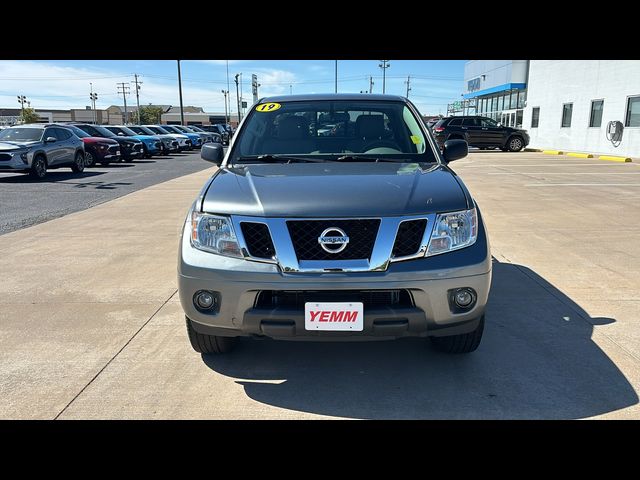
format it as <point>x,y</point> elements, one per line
<point>499,88</point>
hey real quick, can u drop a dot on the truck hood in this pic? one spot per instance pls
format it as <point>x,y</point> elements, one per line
<point>12,145</point>
<point>334,190</point>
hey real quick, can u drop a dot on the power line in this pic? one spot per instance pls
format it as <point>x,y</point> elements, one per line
<point>123,89</point>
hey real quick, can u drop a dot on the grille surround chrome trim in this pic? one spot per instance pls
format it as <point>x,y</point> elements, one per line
<point>285,257</point>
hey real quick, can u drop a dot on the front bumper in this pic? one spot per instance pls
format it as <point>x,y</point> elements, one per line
<point>15,162</point>
<point>428,280</point>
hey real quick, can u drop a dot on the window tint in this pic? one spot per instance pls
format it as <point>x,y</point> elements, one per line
<point>567,110</point>
<point>632,118</point>
<point>50,132</point>
<point>455,121</point>
<point>63,134</point>
<point>595,118</point>
<point>90,130</point>
<point>487,122</point>
<point>471,122</point>
<point>535,117</point>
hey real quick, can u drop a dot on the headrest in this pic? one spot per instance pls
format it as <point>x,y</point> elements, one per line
<point>370,126</point>
<point>294,126</point>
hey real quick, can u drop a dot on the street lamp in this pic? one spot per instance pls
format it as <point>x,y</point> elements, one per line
<point>93,97</point>
<point>22,100</point>
<point>226,115</point>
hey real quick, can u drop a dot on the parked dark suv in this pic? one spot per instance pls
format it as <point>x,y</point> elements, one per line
<point>481,132</point>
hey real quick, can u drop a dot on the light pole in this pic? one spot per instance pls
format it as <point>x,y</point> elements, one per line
<point>180,88</point>
<point>93,97</point>
<point>135,75</point>
<point>226,116</point>
<point>238,97</point>
<point>384,65</point>
<point>22,100</point>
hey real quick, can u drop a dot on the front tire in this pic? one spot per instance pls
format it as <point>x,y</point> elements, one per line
<point>38,168</point>
<point>209,344</point>
<point>78,163</point>
<point>89,159</point>
<point>463,343</point>
<point>515,144</point>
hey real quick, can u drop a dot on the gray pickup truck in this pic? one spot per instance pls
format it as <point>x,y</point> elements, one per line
<point>334,217</point>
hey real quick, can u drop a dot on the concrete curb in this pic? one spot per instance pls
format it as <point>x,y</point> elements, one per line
<point>579,155</point>
<point>532,150</point>
<point>611,158</point>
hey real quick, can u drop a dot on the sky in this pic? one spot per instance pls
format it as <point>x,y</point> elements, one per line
<point>66,84</point>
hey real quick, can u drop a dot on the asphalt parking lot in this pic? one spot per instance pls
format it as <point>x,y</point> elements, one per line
<point>91,326</point>
<point>27,202</point>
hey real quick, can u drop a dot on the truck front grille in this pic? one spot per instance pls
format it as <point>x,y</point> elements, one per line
<point>409,237</point>
<point>258,239</point>
<point>361,232</point>
<point>370,298</point>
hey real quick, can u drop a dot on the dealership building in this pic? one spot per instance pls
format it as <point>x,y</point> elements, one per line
<point>588,106</point>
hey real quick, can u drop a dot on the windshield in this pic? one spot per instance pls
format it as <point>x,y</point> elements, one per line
<point>333,128</point>
<point>21,134</point>
<point>141,130</point>
<point>159,130</point>
<point>170,129</point>
<point>103,131</point>
<point>182,129</point>
<point>195,129</point>
<point>78,131</point>
<point>127,131</point>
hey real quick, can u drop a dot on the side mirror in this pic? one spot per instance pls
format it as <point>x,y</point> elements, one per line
<point>50,140</point>
<point>454,150</point>
<point>213,153</point>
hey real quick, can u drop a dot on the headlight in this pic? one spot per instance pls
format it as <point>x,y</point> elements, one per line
<point>214,234</point>
<point>453,231</point>
<point>23,156</point>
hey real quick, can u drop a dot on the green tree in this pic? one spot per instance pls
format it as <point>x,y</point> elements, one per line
<point>29,115</point>
<point>147,114</point>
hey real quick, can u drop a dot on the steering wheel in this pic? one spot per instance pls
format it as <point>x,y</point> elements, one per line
<point>379,143</point>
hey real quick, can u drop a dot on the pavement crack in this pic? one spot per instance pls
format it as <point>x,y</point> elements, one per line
<point>115,355</point>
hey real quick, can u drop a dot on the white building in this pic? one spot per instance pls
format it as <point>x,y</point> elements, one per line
<point>571,102</point>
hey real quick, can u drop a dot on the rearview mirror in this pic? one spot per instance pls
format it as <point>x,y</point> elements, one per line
<point>50,140</point>
<point>213,153</point>
<point>454,150</point>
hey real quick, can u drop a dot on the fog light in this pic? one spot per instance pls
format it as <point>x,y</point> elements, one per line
<point>204,299</point>
<point>463,298</point>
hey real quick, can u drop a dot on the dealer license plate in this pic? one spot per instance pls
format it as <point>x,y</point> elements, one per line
<point>334,316</point>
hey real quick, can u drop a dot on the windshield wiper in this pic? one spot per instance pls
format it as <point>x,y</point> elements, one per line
<point>279,159</point>
<point>358,158</point>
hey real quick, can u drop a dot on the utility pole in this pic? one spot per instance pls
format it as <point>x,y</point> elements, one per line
<point>408,82</point>
<point>135,75</point>
<point>22,100</point>
<point>238,97</point>
<point>123,88</point>
<point>228,89</point>
<point>384,65</point>
<point>336,76</point>
<point>254,87</point>
<point>93,97</point>
<point>226,116</point>
<point>180,89</point>
<point>241,96</point>
<point>370,83</point>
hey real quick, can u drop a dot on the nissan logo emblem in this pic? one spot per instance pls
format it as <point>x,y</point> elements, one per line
<point>333,240</point>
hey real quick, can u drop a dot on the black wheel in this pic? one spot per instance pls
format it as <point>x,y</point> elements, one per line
<point>464,343</point>
<point>38,168</point>
<point>78,163</point>
<point>89,159</point>
<point>515,144</point>
<point>209,343</point>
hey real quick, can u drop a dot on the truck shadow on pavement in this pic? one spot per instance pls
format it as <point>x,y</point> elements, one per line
<point>536,360</point>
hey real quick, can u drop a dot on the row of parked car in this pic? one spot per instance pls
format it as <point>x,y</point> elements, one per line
<point>36,148</point>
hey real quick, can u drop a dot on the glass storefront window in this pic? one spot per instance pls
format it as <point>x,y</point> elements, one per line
<point>522,97</point>
<point>501,102</point>
<point>514,99</point>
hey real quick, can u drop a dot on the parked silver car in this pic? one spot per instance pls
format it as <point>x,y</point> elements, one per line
<point>35,148</point>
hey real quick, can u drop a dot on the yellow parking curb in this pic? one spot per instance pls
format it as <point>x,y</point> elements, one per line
<point>553,152</point>
<point>579,155</point>
<point>614,159</point>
